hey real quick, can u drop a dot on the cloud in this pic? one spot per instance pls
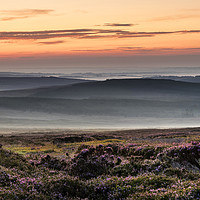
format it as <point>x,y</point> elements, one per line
<point>85,34</point>
<point>13,18</point>
<point>52,42</point>
<point>143,50</point>
<point>22,14</point>
<point>119,24</point>
<point>25,12</point>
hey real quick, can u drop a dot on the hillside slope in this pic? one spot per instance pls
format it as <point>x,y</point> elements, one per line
<point>16,83</point>
<point>116,88</point>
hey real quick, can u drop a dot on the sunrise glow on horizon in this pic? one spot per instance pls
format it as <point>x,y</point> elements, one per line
<point>99,28</point>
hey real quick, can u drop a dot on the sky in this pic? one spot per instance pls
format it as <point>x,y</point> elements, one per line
<point>73,36</point>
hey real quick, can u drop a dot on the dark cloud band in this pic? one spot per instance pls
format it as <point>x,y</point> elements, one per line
<point>85,34</point>
<point>118,24</point>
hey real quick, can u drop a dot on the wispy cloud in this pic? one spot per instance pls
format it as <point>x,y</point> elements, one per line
<point>85,34</point>
<point>143,50</point>
<point>9,15</point>
<point>52,42</point>
<point>119,24</point>
<point>157,50</point>
<point>13,18</point>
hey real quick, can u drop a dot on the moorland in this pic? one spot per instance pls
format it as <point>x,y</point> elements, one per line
<point>100,164</point>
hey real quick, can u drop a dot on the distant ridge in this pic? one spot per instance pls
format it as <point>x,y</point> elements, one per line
<point>191,79</point>
<point>16,83</point>
<point>115,88</point>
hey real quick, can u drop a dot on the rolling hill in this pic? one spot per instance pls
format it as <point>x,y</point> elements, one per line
<point>122,103</point>
<point>116,88</point>
<point>16,83</point>
<point>191,79</point>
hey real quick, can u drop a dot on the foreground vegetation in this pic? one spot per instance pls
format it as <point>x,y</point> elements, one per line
<point>153,164</point>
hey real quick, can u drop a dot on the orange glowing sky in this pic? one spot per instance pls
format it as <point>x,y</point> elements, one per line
<point>99,27</point>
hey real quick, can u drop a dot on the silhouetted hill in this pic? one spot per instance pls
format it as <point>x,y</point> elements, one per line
<point>116,88</point>
<point>192,79</point>
<point>15,83</point>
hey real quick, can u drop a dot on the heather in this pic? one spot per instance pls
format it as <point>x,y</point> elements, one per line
<point>157,164</point>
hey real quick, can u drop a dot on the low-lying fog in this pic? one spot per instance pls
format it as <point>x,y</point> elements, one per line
<point>111,104</point>
<point>19,119</point>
